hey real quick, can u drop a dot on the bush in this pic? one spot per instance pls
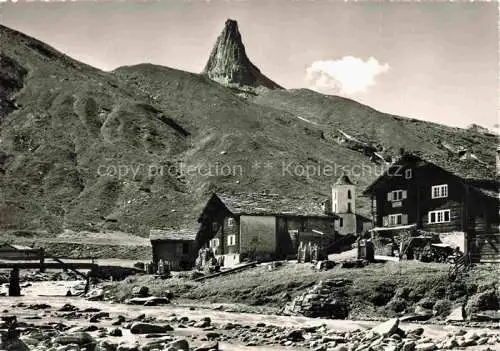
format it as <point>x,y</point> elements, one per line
<point>456,290</point>
<point>402,293</point>
<point>382,295</point>
<point>396,305</point>
<point>484,301</point>
<point>417,293</point>
<point>442,307</point>
<point>427,302</point>
<point>485,287</point>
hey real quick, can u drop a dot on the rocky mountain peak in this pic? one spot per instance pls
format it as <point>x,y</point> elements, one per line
<point>229,64</point>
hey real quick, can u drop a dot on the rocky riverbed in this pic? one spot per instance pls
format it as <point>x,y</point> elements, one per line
<point>59,323</point>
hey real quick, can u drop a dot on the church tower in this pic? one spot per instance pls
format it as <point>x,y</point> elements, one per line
<point>344,196</point>
<point>344,205</point>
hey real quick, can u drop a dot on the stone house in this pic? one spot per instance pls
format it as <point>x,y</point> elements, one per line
<point>263,226</point>
<point>177,247</point>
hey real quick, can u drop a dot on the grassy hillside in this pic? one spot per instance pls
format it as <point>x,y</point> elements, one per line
<point>68,128</point>
<point>372,292</point>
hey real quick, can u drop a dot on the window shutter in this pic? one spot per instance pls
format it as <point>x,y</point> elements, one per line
<point>389,196</point>
<point>405,194</point>
<point>385,221</point>
<point>404,218</point>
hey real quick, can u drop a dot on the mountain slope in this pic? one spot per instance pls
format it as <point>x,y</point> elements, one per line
<point>386,133</point>
<point>144,145</point>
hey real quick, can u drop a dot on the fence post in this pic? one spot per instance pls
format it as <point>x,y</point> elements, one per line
<point>42,260</point>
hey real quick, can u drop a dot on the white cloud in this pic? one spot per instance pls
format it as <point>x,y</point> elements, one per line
<point>347,76</point>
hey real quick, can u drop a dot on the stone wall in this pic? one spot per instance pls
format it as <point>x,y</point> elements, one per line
<point>326,299</point>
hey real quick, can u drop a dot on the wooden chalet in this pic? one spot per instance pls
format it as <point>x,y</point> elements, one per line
<point>441,196</point>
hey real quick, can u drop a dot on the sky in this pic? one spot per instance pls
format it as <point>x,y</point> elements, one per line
<point>434,60</point>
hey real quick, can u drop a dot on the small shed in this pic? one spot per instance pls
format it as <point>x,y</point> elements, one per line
<point>175,246</point>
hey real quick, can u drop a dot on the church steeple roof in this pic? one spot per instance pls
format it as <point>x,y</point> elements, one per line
<point>344,180</point>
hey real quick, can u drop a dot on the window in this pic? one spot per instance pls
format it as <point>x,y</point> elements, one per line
<point>348,194</point>
<point>215,226</point>
<point>439,191</point>
<point>231,240</point>
<point>178,249</point>
<point>395,219</point>
<point>396,195</point>
<point>408,173</point>
<point>341,222</point>
<point>439,216</point>
<point>349,209</point>
<point>230,222</point>
<point>214,243</point>
<point>185,248</point>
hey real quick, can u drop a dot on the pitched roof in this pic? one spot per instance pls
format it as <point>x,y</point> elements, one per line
<point>470,170</point>
<point>344,180</point>
<point>174,234</point>
<point>272,204</point>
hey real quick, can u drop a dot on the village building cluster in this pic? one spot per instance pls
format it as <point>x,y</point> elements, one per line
<point>415,201</point>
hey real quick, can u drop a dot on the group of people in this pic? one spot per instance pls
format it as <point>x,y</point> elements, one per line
<point>206,261</point>
<point>161,268</point>
<point>308,252</point>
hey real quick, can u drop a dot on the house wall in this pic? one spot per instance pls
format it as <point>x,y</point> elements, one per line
<point>286,235</point>
<point>225,230</point>
<point>214,213</point>
<point>291,229</point>
<point>418,202</point>
<point>349,223</point>
<point>483,234</point>
<point>174,253</point>
<point>363,225</point>
<point>258,235</point>
<point>341,200</point>
<point>484,247</point>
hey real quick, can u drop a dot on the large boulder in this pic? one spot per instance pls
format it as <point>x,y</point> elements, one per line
<point>148,301</point>
<point>149,328</point>
<point>105,345</point>
<point>180,344</point>
<point>208,346</point>
<point>456,315</point>
<point>140,291</point>
<point>486,316</point>
<point>127,347</point>
<point>205,322</point>
<point>78,338</point>
<point>14,345</point>
<point>95,295</point>
<point>396,305</point>
<point>387,328</point>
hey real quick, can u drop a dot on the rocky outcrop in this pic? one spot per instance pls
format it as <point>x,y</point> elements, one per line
<point>325,299</point>
<point>11,80</point>
<point>229,64</point>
